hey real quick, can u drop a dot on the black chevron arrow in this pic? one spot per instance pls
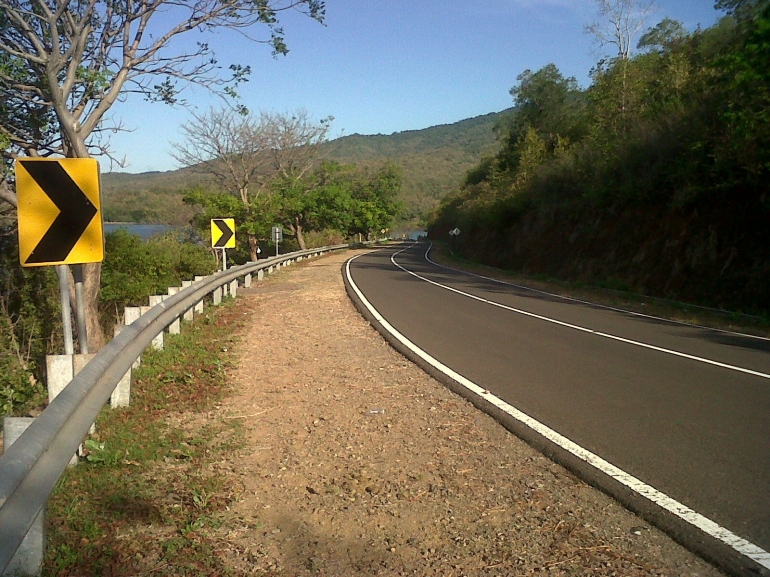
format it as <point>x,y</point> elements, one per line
<point>76,211</point>
<point>227,234</point>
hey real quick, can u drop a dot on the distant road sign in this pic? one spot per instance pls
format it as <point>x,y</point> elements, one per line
<point>223,232</point>
<point>60,220</point>
<point>277,234</point>
<point>454,232</point>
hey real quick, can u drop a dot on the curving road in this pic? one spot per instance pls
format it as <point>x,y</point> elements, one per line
<point>672,419</point>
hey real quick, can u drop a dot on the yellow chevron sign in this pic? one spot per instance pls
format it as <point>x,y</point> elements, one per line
<point>223,232</point>
<point>60,220</point>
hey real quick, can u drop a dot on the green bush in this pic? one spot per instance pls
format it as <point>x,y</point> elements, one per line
<point>29,314</point>
<point>134,268</point>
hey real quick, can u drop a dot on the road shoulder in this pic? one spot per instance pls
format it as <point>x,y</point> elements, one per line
<point>356,462</point>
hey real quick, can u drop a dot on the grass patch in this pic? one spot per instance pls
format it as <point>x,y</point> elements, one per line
<point>146,499</point>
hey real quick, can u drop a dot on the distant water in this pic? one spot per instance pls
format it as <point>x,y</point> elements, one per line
<point>143,230</point>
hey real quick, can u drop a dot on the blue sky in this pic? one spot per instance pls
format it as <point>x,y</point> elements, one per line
<point>383,66</point>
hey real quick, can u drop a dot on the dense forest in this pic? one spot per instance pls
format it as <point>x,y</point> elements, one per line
<point>654,178</point>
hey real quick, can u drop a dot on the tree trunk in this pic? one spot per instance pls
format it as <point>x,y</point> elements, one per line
<point>92,274</point>
<point>253,254</point>
<point>300,236</point>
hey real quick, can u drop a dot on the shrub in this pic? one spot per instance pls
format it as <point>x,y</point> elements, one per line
<point>134,268</point>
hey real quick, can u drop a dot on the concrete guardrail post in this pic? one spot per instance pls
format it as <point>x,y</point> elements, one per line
<point>234,288</point>
<point>121,396</point>
<point>78,363</point>
<point>176,325</point>
<point>188,314</point>
<point>28,559</point>
<point>60,370</point>
<point>247,281</point>
<point>198,308</point>
<point>217,296</point>
<point>130,315</point>
<point>157,342</point>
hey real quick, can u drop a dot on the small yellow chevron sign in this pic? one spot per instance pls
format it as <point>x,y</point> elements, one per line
<point>223,232</point>
<point>60,220</point>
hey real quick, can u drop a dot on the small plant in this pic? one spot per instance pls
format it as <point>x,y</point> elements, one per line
<point>99,454</point>
<point>201,498</point>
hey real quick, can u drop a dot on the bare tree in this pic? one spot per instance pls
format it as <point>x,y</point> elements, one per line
<point>72,60</point>
<point>246,153</point>
<point>620,22</point>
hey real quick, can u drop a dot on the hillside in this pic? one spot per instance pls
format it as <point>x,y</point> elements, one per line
<point>653,179</point>
<point>433,162</point>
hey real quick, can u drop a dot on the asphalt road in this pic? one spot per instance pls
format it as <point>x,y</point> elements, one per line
<point>684,409</point>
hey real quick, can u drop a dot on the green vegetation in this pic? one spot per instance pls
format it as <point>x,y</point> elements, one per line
<point>152,197</point>
<point>30,314</point>
<point>654,178</point>
<point>30,311</point>
<point>330,203</point>
<point>431,162</point>
<point>124,506</point>
<point>135,268</point>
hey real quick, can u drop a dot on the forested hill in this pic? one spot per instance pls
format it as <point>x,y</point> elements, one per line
<point>654,178</point>
<point>471,137</point>
<point>433,161</point>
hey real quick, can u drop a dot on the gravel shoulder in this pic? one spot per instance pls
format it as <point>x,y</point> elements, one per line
<point>356,462</point>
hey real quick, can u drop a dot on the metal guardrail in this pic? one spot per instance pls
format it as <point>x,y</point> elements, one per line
<point>31,466</point>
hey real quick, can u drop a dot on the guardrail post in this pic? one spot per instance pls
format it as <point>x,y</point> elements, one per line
<point>234,287</point>
<point>157,342</point>
<point>121,395</point>
<point>59,370</point>
<point>28,559</point>
<point>198,308</point>
<point>188,314</point>
<point>78,363</point>
<point>176,326</point>
<point>217,295</point>
<point>247,281</point>
<point>260,274</point>
<point>131,314</point>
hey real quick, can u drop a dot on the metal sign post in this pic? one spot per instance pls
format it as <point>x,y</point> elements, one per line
<point>80,308</point>
<point>277,237</point>
<point>224,259</point>
<point>66,312</point>
<point>60,223</point>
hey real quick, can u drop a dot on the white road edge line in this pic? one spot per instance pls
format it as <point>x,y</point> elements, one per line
<point>578,327</point>
<point>739,544</point>
<point>584,302</point>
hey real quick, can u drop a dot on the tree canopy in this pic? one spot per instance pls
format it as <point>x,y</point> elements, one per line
<point>677,133</point>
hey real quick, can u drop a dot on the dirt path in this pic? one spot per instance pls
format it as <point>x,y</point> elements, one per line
<point>358,463</point>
